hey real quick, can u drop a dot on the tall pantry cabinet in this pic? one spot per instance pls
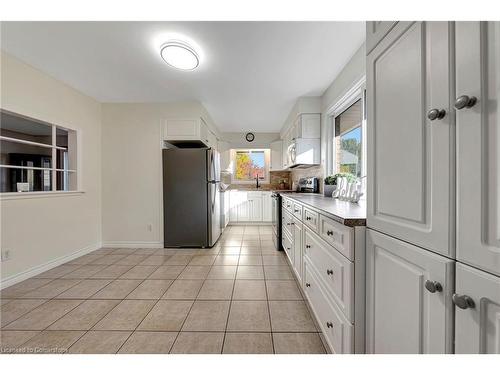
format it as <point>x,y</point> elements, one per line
<point>433,243</point>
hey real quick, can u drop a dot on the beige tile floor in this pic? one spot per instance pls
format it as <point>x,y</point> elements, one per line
<point>238,297</point>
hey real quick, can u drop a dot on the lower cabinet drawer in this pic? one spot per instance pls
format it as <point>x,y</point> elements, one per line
<point>337,235</point>
<point>288,247</point>
<point>334,270</point>
<point>297,210</point>
<point>287,204</point>
<point>310,218</point>
<point>339,333</point>
<point>286,222</point>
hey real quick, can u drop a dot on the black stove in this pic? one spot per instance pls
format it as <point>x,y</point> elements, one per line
<point>306,185</point>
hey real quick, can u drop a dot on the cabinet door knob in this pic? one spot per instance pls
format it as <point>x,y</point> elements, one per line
<point>329,324</point>
<point>433,286</point>
<point>464,101</point>
<point>329,272</point>
<point>308,285</point>
<point>463,301</point>
<point>329,233</point>
<point>308,246</point>
<point>434,114</point>
<point>308,218</point>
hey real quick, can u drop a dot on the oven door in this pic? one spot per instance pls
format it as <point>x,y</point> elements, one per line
<point>276,220</point>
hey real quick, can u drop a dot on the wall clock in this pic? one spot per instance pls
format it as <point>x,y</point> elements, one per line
<point>250,137</point>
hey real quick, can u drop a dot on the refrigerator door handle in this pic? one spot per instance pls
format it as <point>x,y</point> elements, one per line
<point>213,198</point>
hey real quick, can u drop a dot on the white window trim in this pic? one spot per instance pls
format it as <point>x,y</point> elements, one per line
<point>52,193</point>
<point>267,159</point>
<point>356,92</point>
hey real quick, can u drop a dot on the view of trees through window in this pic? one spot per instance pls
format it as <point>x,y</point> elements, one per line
<point>350,144</point>
<point>249,165</point>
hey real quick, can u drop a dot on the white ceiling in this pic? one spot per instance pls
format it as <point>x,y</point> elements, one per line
<point>250,76</point>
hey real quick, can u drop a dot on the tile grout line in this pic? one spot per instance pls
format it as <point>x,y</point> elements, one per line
<point>230,305</point>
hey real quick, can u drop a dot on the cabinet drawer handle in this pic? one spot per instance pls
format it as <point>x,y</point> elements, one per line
<point>295,210</point>
<point>329,324</point>
<point>329,233</point>
<point>463,301</point>
<point>433,286</point>
<point>308,246</point>
<point>329,272</point>
<point>287,223</point>
<point>308,285</point>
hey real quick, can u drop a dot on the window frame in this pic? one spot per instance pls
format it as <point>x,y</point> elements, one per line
<point>356,92</point>
<point>75,156</point>
<point>267,160</point>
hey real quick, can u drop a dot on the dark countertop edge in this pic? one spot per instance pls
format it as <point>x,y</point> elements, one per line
<point>358,222</point>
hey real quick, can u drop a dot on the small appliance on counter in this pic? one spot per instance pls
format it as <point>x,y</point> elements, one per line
<point>305,185</point>
<point>308,185</point>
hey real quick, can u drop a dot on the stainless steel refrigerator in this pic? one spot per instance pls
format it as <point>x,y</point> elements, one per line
<point>191,202</point>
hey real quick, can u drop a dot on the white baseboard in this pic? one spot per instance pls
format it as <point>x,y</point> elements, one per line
<point>14,279</point>
<point>134,244</point>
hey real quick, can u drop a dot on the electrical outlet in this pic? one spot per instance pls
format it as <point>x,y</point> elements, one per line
<point>150,227</point>
<point>5,255</point>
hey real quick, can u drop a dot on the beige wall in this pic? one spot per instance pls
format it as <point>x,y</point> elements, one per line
<point>237,140</point>
<point>41,230</point>
<point>132,211</point>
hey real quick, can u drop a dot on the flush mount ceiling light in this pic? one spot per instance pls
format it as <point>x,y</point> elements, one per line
<point>179,55</point>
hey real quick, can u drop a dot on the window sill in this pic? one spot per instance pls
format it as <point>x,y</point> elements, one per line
<point>39,194</point>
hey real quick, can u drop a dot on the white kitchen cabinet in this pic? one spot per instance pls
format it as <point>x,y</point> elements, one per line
<point>411,188</point>
<point>408,298</point>
<point>477,312</point>
<point>238,204</point>
<point>255,206</point>
<point>478,145</point>
<point>276,156</point>
<point>334,291</point>
<point>177,130</point>
<point>244,211</point>
<point>250,206</point>
<point>267,207</point>
<point>376,31</point>
<point>298,248</point>
<point>307,125</point>
<point>337,330</point>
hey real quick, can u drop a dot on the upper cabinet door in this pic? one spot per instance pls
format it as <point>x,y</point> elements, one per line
<point>478,326</point>
<point>375,32</point>
<point>478,144</point>
<point>408,298</point>
<point>410,157</point>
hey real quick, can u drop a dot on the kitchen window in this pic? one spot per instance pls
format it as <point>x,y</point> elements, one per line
<point>346,148</point>
<point>36,156</point>
<point>250,164</point>
<point>348,140</point>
